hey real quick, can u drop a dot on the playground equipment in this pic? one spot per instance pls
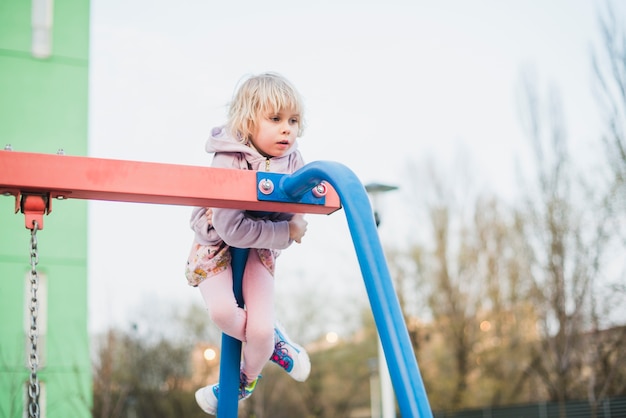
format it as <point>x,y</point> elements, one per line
<point>321,187</point>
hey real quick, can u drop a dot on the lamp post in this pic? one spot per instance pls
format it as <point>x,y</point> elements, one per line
<point>386,389</point>
<point>372,364</point>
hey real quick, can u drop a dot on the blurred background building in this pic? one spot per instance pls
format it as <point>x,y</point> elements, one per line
<point>44,63</point>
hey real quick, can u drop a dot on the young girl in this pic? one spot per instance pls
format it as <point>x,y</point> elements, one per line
<point>264,120</point>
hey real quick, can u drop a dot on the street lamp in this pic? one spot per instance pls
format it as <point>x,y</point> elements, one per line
<point>375,190</point>
<point>387,400</point>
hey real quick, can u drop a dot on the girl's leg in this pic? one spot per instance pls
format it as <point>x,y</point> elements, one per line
<point>217,292</point>
<point>258,293</point>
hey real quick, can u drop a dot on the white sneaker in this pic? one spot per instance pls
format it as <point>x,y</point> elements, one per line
<point>290,356</point>
<point>207,397</point>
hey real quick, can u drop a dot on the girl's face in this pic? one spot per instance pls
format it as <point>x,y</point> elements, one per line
<point>276,132</point>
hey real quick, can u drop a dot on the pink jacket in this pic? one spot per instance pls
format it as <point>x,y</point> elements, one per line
<point>239,228</point>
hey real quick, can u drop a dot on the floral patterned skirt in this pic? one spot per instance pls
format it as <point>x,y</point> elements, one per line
<point>208,260</point>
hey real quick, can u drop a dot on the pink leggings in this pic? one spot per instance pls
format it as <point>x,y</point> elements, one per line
<point>253,325</point>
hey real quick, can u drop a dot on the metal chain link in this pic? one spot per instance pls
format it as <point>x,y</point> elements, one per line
<point>33,360</point>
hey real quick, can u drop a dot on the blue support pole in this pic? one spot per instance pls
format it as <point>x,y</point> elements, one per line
<point>228,402</point>
<point>392,330</point>
<point>394,336</point>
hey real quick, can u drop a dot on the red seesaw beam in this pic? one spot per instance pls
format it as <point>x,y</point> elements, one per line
<point>71,177</point>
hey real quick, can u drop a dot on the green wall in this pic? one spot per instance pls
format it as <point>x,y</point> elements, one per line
<point>44,107</point>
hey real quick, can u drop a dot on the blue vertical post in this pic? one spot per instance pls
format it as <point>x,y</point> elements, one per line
<point>394,336</point>
<point>228,401</point>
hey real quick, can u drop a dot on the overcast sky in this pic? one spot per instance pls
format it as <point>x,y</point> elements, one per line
<point>385,84</point>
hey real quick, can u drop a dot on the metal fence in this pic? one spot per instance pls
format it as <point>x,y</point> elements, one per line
<point>609,408</point>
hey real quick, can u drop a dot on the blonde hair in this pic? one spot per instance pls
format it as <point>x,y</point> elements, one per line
<point>258,96</point>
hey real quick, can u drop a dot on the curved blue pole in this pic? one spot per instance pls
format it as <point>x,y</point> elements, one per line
<point>228,401</point>
<point>394,336</point>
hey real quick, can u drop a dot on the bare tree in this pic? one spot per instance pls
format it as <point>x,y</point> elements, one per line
<point>569,239</point>
<point>502,260</point>
<point>610,70</point>
<point>451,293</point>
<point>472,273</point>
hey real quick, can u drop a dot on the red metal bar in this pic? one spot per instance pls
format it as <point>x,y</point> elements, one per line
<point>70,177</point>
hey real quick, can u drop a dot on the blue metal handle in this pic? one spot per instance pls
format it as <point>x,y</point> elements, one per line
<point>394,336</point>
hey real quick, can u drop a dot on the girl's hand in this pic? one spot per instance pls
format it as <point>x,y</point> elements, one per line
<point>297,227</point>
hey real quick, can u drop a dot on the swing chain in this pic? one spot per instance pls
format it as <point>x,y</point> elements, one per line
<point>33,361</point>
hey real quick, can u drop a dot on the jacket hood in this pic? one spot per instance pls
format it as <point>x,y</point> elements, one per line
<point>221,141</point>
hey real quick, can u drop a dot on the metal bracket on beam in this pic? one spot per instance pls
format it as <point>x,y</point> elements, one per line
<point>34,206</point>
<point>270,190</point>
